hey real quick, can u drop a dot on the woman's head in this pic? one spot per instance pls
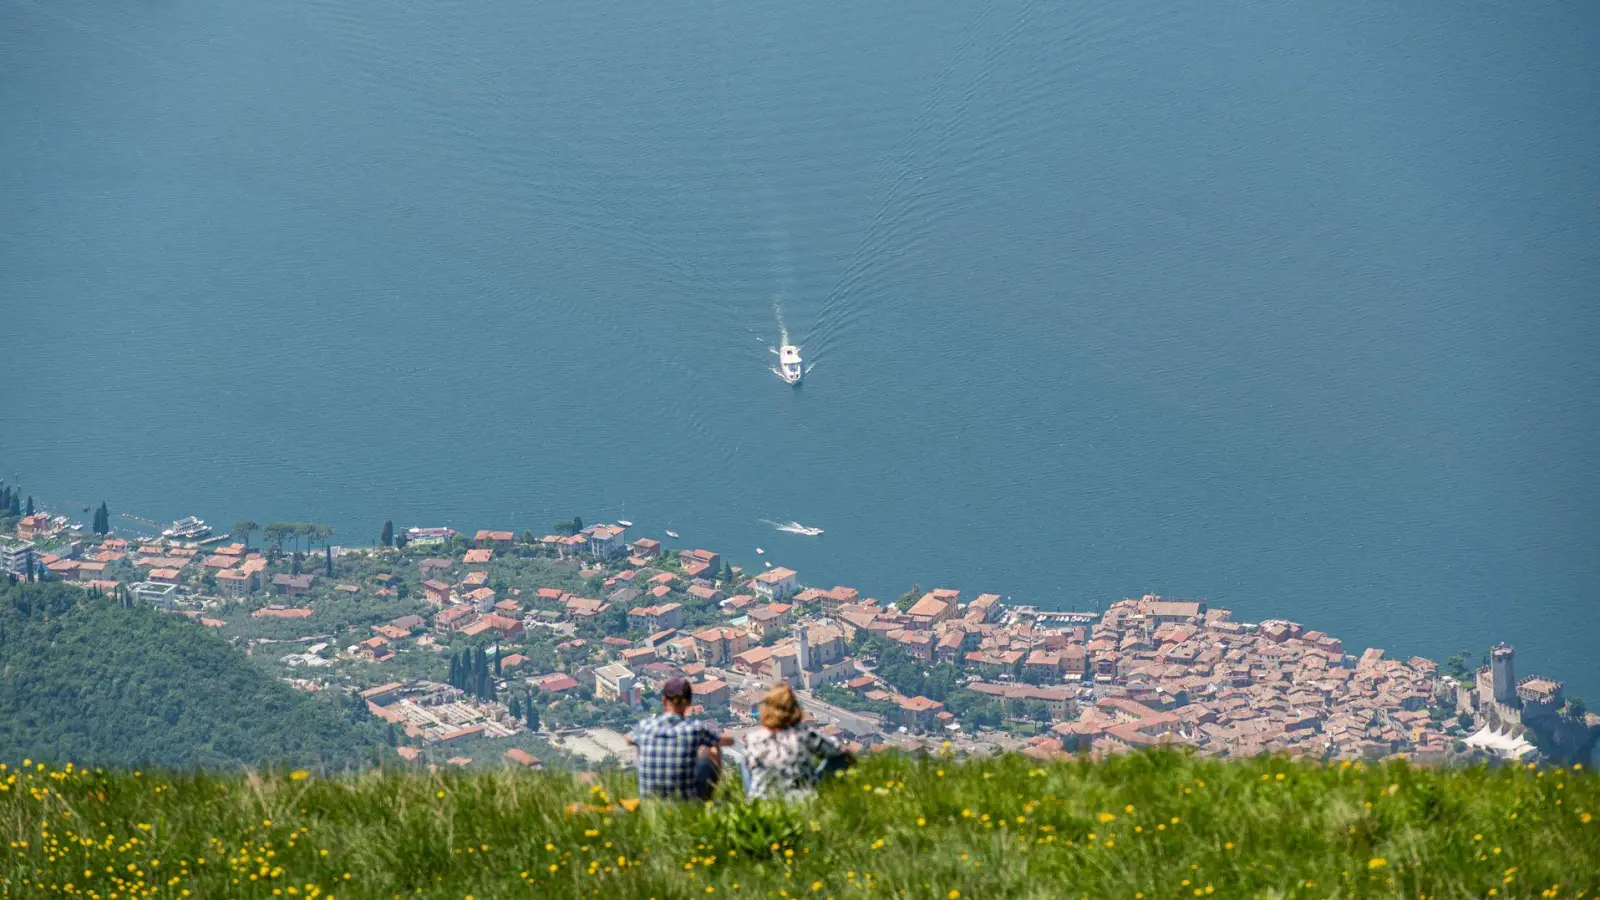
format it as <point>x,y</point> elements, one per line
<point>781,708</point>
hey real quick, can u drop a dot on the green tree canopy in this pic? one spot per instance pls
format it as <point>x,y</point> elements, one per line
<point>146,687</point>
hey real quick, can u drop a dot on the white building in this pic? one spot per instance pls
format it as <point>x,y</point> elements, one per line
<point>776,584</point>
<point>156,593</point>
<point>606,540</point>
<point>616,682</point>
<point>16,556</point>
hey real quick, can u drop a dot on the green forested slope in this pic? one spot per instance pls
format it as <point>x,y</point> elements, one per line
<point>85,680</point>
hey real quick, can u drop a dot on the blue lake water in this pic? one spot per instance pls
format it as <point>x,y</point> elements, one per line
<point>1287,305</point>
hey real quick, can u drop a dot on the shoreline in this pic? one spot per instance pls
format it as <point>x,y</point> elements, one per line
<point>1144,670</point>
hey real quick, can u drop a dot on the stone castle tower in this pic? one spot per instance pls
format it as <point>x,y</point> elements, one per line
<point>1502,668</point>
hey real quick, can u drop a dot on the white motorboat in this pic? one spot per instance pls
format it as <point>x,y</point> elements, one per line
<point>672,534</point>
<point>760,551</point>
<point>624,523</point>
<point>790,368</point>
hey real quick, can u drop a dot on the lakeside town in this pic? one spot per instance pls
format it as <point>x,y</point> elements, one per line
<point>536,649</point>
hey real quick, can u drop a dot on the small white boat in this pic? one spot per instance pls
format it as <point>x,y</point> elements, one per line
<point>624,523</point>
<point>790,367</point>
<point>760,551</point>
<point>672,534</point>
<point>767,564</point>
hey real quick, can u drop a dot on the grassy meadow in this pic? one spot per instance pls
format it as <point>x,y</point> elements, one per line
<point>1157,825</point>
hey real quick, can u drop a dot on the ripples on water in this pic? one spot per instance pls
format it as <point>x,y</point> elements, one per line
<point>1279,304</point>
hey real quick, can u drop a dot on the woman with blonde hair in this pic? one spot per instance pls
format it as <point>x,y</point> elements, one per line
<point>786,757</point>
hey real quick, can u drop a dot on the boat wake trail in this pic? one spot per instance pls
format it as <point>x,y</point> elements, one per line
<point>779,248</point>
<point>794,528</point>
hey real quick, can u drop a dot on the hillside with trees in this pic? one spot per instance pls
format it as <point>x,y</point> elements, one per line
<point>87,679</point>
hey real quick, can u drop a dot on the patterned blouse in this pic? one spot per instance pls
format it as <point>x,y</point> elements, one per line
<point>784,764</point>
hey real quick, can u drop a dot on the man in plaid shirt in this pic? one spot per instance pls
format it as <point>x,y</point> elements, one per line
<point>679,757</point>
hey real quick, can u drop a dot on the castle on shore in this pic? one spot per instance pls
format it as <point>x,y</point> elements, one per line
<point>1507,704</point>
<point>1520,719</point>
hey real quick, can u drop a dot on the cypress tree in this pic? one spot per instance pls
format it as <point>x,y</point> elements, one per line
<point>387,538</point>
<point>531,714</point>
<point>515,707</point>
<point>497,672</point>
<point>577,524</point>
<point>455,671</point>
<point>30,504</point>
<point>329,548</point>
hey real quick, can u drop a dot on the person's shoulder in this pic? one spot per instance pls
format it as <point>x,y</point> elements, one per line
<point>813,735</point>
<point>707,728</point>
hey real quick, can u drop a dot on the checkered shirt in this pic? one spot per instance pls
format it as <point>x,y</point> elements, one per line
<point>668,745</point>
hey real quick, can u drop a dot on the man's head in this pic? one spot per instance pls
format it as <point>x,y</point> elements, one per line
<point>677,695</point>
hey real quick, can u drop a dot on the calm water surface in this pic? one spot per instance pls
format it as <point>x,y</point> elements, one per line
<point>1288,305</point>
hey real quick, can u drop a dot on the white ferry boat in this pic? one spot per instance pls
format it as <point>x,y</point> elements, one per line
<point>790,368</point>
<point>187,529</point>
